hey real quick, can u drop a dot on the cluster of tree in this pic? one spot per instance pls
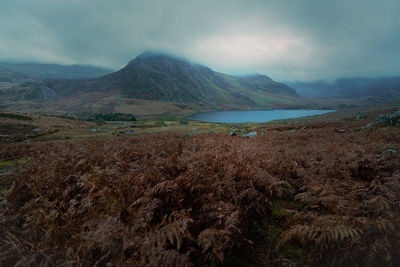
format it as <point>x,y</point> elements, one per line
<point>99,117</point>
<point>15,116</point>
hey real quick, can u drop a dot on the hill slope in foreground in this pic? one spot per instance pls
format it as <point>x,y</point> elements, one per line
<point>154,83</point>
<point>317,193</point>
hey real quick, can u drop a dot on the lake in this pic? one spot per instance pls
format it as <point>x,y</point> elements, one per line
<point>237,116</point>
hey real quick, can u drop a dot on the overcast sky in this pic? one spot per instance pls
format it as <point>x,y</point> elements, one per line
<point>287,40</point>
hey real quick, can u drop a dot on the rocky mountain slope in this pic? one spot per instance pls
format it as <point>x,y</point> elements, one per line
<point>159,77</point>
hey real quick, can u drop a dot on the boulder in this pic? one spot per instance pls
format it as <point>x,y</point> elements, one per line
<point>250,134</point>
<point>392,118</point>
<point>390,151</point>
<point>96,129</point>
<point>369,125</point>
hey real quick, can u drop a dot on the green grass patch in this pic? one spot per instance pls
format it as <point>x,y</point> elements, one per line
<point>263,99</point>
<point>3,192</point>
<point>266,231</point>
<point>9,164</point>
<point>232,81</point>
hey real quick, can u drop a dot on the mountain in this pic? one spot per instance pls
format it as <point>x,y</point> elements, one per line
<point>19,72</point>
<point>159,77</point>
<point>312,89</point>
<point>372,90</point>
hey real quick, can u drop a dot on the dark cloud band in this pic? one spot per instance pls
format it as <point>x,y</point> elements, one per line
<point>288,40</point>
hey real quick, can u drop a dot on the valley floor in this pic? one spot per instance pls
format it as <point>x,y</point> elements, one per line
<point>167,191</point>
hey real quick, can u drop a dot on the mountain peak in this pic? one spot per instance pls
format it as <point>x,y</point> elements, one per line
<point>160,76</point>
<point>172,78</point>
<point>155,53</point>
<point>155,56</point>
<point>152,53</point>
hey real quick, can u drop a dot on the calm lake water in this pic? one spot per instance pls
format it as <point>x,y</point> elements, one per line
<point>255,115</point>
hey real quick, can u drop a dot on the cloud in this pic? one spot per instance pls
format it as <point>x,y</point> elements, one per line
<point>36,42</point>
<point>287,40</point>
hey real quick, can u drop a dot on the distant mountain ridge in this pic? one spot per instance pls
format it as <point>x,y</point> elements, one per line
<point>20,72</point>
<point>160,77</point>
<point>379,90</point>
